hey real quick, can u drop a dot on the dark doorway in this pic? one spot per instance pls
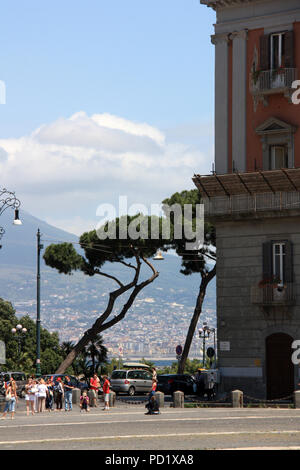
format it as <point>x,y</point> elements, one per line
<point>279,366</point>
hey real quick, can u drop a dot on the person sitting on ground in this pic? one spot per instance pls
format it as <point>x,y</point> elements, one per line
<point>152,406</point>
<point>84,402</point>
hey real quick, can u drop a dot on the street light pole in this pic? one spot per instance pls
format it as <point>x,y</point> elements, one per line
<point>38,306</point>
<point>18,331</point>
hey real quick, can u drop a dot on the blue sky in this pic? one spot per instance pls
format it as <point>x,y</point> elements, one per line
<point>144,62</point>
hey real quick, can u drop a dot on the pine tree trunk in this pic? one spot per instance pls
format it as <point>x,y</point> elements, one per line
<point>194,321</point>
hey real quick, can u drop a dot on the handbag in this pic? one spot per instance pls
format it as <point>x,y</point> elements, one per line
<point>8,396</point>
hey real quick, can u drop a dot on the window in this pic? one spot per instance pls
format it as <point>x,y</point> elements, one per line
<point>279,262</point>
<point>278,157</point>
<point>277,50</point>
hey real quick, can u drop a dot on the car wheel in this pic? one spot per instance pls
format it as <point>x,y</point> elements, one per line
<point>131,391</point>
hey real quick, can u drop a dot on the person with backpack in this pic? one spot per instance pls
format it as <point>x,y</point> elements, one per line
<point>58,394</point>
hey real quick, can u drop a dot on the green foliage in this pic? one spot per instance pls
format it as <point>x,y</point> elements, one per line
<point>51,354</point>
<point>65,258</point>
<point>191,367</point>
<point>193,261</point>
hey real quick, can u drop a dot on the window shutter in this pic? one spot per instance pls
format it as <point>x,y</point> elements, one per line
<point>289,261</point>
<point>267,260</point>
<point>289,49</point>
<point>265,52</point>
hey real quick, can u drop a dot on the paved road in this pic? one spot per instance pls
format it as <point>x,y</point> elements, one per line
<point>127,428</point>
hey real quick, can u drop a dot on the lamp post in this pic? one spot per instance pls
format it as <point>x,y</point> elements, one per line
<point>20,333</point>
<point>38,305</point>
<point>204,333</point>
<point>8,199</point>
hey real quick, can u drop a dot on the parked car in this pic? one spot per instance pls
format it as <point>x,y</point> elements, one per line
<point>131,381</point>
<point>20,379</point>
<point>74,381</point>
<point>170,383</point>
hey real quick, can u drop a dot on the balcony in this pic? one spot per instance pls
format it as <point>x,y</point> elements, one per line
<point>242,204</point>
<point>264,83</point>
<point>272,296</point>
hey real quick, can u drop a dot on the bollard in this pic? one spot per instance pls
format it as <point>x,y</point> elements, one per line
<point>76,393</point>
<point>237,399</point>
<point>297,398</point>
<point>178,399</point>
<point>2,405</point>
<point>112,399</point>
<point>91,397</point>
<point>160,398</point>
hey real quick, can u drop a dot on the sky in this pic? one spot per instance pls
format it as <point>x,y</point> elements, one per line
<point>104,99</point>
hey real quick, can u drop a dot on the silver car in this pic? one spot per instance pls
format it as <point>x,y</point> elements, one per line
<point>131,381</point>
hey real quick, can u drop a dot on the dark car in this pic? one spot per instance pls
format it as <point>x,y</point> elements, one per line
<point>74,382</point>
<point>20,379</point>
<point>170,383</point>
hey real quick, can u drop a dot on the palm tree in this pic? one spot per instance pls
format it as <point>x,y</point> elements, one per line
<point>97,352</point>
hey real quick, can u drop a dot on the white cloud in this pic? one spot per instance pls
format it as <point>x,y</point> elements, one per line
<point>65,169</point>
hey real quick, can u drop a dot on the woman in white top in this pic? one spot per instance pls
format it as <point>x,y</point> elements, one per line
<point>28,394</point>
<point>42,392</point>
<point>34,395</point>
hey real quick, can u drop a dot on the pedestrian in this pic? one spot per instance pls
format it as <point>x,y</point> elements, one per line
<point>154,374</point>
<point>105,388</point>
<point>49,397</point>
<point>29,402</point>
<point>34,396</point>
<point>84,402</point>
<point>94,387</point>
<point>153,389</point>
<point>68,393</point>
<point>42,393</point>
<point>58,394</point>
<point>11,399</point>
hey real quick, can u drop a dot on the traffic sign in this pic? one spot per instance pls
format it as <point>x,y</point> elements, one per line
<point>210,352</point>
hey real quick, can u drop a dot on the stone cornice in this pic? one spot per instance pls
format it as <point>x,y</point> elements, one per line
<point>219,38</point>
<point>223,3</point>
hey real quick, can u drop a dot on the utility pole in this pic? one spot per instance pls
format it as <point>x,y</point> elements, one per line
<point>38,306</point>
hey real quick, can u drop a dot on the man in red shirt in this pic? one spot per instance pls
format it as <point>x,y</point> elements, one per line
<point>94,387</point>
<point>105,387</point>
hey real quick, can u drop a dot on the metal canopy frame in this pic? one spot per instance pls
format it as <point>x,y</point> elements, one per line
<point>283,180</point>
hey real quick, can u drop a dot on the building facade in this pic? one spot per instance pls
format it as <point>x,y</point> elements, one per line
<point>253,196</point>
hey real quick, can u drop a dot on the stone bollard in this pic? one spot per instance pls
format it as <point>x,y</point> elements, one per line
<point>160,398</point>
<point>178,399</point>
<point>237,399</point>
<point>112,399</point>
<point>76,394</point>
<point>91,397</point>
<point>2,405</point>
<point>297,398</point>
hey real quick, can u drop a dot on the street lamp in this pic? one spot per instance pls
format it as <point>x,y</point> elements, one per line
<point>204,333</point>
<point>8,199</point>
<point>20,333</point>
<point>38,305</point>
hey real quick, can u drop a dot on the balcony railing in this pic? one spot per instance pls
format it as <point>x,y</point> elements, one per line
<point>273,81</point>
<point>271,295</point>
<point>247,203</point>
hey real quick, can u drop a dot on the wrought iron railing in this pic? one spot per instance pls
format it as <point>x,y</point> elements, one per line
<point>251,203</point>
<point>269,81</point>
<point>273,295</point>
